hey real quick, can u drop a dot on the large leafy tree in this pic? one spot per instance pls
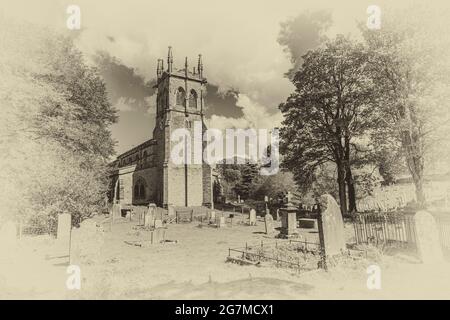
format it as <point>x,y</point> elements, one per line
<point>249,175</point>
<point>327,113</point>
<point>409,63</point>
<point>55,131</point>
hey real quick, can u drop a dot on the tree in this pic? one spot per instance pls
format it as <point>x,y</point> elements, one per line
<point>328,110</point>
<point>409,65</point>
<point>249,174</point>
<point>273,185</point>
<point>56,124</point>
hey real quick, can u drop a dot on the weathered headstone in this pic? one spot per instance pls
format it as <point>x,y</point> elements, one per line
<point>158,224</point>
<point>268,220</point>
<point>171,211</point>
<point>222,223</point>
<point>116,211</point>
<point>307,223</point>
<point>331,227</point>
<point>252,217</point>
<point>212,215</point>
<point>427,238</point>
<point>158,235</point>
<point>288,222</point>
<point>149,216</point>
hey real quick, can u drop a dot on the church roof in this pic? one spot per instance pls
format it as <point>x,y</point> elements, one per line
<point>137,148</point>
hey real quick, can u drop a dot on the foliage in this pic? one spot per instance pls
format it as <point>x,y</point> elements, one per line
<point>409,65</point>
<point>249,175</point>
<point>274,185</point>
<point>56,139</point>
<point>329,109</point>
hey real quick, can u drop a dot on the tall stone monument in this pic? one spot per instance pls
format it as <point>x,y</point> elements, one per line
<point>288,219</point>
<point>331,229</point>
<point>427,238</point>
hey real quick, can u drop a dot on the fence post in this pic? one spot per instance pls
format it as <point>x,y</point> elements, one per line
<point>322,251</point>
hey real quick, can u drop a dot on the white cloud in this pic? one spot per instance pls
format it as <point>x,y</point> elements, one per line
<point>124,104</point>
<point>150,104</point>
<point>254,116</point>
<point>238,39</point>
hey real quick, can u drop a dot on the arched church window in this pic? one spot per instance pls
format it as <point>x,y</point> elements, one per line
<point>142,191</point>
<point>139,189</point>
<point>193,99</point>
<point>136,192</point>
<point>181,97</point>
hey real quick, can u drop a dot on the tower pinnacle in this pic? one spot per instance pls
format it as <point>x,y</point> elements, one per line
<point>200,66</point>
<point>169,60</point>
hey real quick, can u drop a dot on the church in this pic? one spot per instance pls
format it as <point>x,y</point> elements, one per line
<point>146,174</point>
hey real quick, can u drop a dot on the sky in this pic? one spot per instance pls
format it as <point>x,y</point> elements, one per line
<point>244,62</point>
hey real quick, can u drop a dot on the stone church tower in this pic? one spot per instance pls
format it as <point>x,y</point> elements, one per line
<point>180,105</point>
<point>147,173</point>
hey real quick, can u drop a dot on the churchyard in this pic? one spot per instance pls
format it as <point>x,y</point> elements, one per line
<point>153,253</point>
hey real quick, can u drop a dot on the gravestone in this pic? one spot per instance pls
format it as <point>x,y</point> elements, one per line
<point>158,224</point>
<point>222,223</point>
<point>158,235</point>
<point>307,223</point>
<point>278,214</point>
<point>116,211</point>
<point>171,211</point>
<point>64,228</point>
<point>149,216</point>
<point>288,222</point>
<point>427,238</point>
<point>252,217</point>
<point>268,221</point>
<point>331,227</point>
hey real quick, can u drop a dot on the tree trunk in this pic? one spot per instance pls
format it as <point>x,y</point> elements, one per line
<point>351,191</point>
<point>415,166</point>
<point>349,178</point>
<point>412,141</point>
<point>341,184</point>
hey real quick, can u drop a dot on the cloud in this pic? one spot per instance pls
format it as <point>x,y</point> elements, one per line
<point>222,102</point>
<point>123,82</point>
<point>254,116</point>
<point>238,39</point>
<point>151,104</point>
<point>243,61</point>
<point>302,33</point>
<point>124,104</point>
